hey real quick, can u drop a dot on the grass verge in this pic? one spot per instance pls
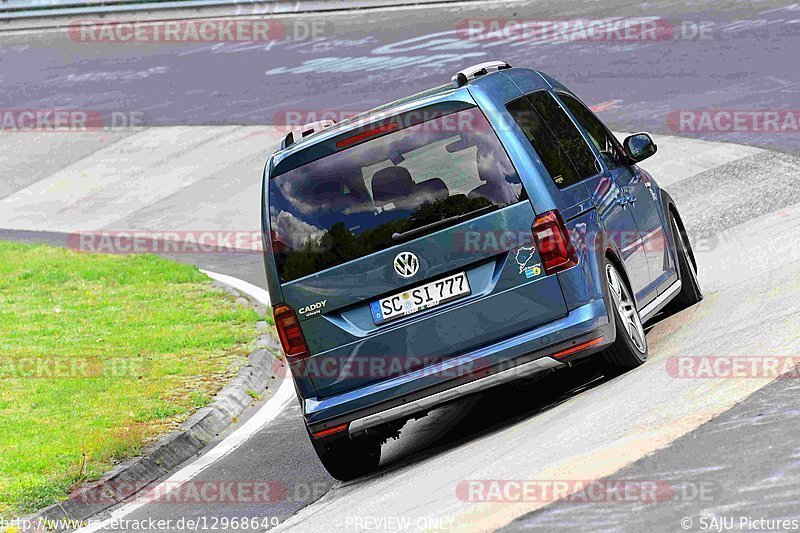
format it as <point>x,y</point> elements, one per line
<point>100,355</point>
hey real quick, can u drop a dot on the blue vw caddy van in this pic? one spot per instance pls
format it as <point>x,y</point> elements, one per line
<point>480,232</point>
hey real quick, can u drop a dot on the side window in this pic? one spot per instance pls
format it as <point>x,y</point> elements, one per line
<point>604,141</point>
<point>562,149</point>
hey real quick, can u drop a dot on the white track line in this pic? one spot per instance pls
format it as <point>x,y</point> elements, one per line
<point>266,414</point>
<point>256,292</point>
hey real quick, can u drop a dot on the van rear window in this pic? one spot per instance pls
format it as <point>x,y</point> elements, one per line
<point>388,190</point>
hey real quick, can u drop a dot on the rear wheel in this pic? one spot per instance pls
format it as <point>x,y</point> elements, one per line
<point>346,458</point>
<point>687,267</point>
<point>630,347</point>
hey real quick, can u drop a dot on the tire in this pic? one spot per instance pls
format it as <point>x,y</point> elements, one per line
<point>630,347</point>
<point>346,458</point>
<point>690,293</point>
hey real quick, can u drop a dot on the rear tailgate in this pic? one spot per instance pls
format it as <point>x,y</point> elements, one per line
<point>443,189</point>
<point>508,295</point>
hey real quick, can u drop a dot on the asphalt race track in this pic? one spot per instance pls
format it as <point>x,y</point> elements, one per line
<point>724,447</point>
<point>715,55</point>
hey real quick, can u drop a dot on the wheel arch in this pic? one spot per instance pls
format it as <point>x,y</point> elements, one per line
<point>614,258</point>
<point>670,209</point>
<point>611,255</point>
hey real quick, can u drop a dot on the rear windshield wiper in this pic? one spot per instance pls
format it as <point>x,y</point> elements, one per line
<point>439,223</point>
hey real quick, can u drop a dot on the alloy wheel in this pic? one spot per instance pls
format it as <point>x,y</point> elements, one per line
<point>626,309</point>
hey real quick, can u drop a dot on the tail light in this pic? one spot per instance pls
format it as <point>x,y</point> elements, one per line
<point>292,340</point>
<point>554,243</point>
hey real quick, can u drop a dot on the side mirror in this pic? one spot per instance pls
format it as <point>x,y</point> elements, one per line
<point>639,146</point>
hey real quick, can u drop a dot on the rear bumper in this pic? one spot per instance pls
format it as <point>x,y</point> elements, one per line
<point>426,403</point>
<point>519,356</point>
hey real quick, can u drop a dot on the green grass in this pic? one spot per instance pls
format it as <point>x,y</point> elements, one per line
<point>99,355</point>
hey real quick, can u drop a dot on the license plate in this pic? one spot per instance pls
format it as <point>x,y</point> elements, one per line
<point>420,298</point>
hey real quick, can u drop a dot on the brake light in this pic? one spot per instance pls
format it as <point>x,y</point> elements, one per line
<point>554,243</point>
<point>292,340</point>
<point>355,139</point>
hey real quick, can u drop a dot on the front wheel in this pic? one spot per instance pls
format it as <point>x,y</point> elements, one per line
<point>630,347</point>
<point>347,458</point>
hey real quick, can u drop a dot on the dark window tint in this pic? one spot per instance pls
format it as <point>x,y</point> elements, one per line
<point>565,131</point>
<point>604,141</point>
<point>382,192</point>
<point>562,149</point>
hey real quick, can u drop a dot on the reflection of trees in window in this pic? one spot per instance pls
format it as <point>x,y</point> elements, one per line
<point>338,244</point>
<point>565,131</point>
<point>600,137</point>
<point>552,154</point>
<point>563,151</point>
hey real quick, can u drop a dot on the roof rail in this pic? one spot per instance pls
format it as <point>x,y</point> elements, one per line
<point>463,77</point>
<point>309,129</point>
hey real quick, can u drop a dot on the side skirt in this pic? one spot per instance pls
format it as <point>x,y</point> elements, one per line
<point>658,304</point>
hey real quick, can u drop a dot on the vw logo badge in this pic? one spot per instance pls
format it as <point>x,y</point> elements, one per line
<point>406,264</point>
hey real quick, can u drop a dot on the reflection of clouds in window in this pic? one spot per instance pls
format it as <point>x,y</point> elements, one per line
<point>331,201</point>
<point>287,188</point>
<point>340,185</point>
<point>495,171</point>
<point>492,167</point>
<point>309,194</point>
<point>292,231</point>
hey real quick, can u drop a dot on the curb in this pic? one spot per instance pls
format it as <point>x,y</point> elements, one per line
<point>180,445</point>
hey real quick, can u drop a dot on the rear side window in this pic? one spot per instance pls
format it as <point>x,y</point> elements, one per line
<point>562,149</point>
<point>608,146</point>
<point>380,193</point>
